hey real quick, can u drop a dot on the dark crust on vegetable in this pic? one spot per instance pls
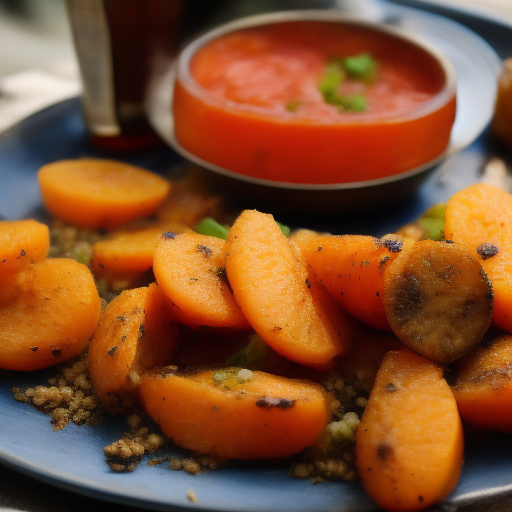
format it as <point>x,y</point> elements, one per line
<point>487,250</point>
<point>438,300</point>
<point>280,403</point>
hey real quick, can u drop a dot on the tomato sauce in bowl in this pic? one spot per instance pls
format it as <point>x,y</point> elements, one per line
<point>279,102</point>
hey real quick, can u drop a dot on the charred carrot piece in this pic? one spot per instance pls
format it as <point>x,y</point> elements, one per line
<point>438,300</point>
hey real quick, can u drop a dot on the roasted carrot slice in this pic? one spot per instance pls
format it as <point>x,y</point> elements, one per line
<point>352,268</point>
<point>438,300</point>
<point>97,193</point>
<point>480,218</point>
<point>409,444</point>
<point>129,250</point>
<point>280,296</point>
<point>137,331</point>
<point>22,242</point>
<point>190,268</point>
<point>483,385</point>
<point>234,413</point>
<point>48,313</point>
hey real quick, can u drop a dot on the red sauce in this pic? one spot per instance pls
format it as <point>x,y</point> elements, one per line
<point>249,79</point>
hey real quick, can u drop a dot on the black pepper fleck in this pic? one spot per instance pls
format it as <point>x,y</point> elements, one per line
<point>487,250</point>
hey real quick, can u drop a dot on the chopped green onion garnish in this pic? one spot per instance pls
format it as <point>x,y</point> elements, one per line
<point>354,102</point>
<point>362,66</point>
<point>433,228</point>
<point>330,81</point>
<point>285,229</point>
<point>211,227</point>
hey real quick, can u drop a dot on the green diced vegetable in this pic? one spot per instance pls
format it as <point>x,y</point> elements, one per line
<point>211,227</point>
<point>362,66</point>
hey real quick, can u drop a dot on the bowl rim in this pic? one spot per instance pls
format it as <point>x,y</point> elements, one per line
<point>441,98</point>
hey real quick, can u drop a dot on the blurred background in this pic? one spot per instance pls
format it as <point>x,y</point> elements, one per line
<point>35,33</point>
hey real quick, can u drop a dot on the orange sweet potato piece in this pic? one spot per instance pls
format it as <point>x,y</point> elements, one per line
<point>22,242</point>
<point>483,385</point>
<point>409,444</point>
<point>236,416</point>
<point>137,331</point>
<point>480,218</point>
<point>96,193</point>
<point>190,268</point>
<point>48,313</point>
<point>280,296</point>
<point>128,252</point>
<point>352,268</point>
<point>438,300</point>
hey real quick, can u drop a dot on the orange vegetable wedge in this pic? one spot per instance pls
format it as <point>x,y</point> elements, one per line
<point>190,268</point>
<point>128,251</point>
<point>409,444</point>
<point>483,386</point>
<point>137,331</point>
<point>280,296</point>
<point>22,242</point>
<point>236,415</point>
<point>96,193</point>
<point>48,313</point>
<point>352,268</point>
<point>480,218</point>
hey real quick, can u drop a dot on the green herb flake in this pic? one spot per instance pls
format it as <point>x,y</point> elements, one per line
<point>211,227</point>
<point>362,67</point>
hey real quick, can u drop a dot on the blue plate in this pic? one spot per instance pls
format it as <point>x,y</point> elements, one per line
<point>73,457</point>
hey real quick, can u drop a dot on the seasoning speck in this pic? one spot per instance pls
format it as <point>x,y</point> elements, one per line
<point>487,250</point>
